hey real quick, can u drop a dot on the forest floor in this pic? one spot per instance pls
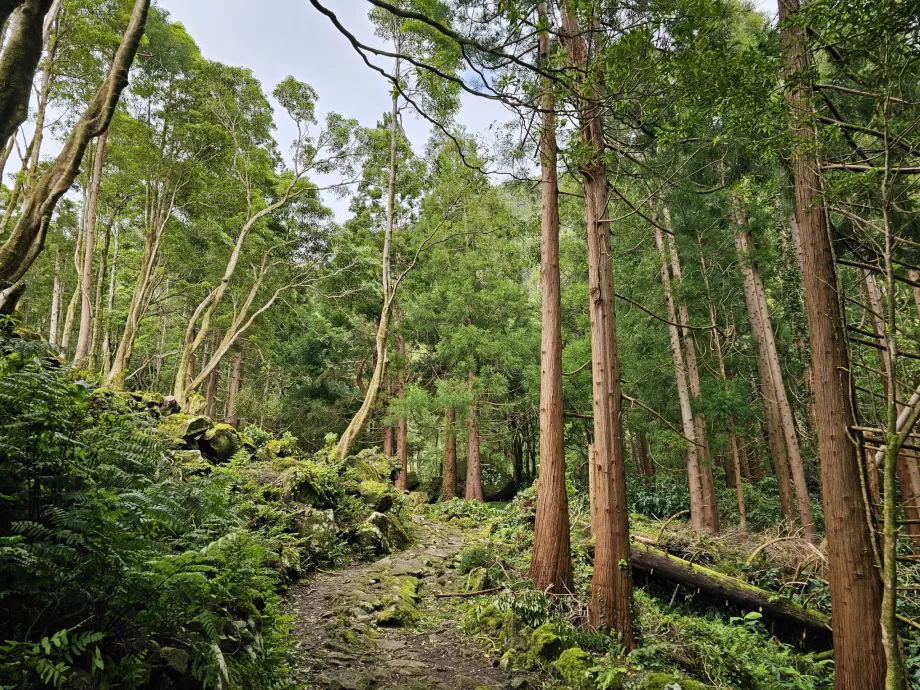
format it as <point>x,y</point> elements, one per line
<point>379,626</point>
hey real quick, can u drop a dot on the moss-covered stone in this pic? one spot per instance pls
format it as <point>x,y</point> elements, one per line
<point>302,485</point>
<point>544,643</point>
<point>221,441</point>
<point>182,428</point>
<point>196,404</point>
<point>669,681</point>
<point>417,501</point>
<point>497,482</point>
<point>377,495</point>
<point>382,533</point>
<point>369,465</point>
<point>412,481</point>
<point>402,611</point>
<point>272,450</point>
<point>189,463</point>
<point>318,526</point>
<point>572,666</point>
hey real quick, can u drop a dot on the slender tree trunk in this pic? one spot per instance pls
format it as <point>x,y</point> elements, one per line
<point>402,428</point>
<point>98,306</point>
<point>859,655</point>
<point>697,511</point>
<point>733,470</point>
<point>551,564</point>
<point>55,300</point>
<point>906,474</point>
<point>211,388</point>
<point>86,280</point>
<point>449,477</point>
<point>236,383</point>
<point>645,456</point>
<point>710,507</point>
<point>611,587</point>
<point>473,468</point>
<point>110,303</point>
<point>72,304</point>
<point>758,310</point>
<point>373,387</point>
<point>389,440</point>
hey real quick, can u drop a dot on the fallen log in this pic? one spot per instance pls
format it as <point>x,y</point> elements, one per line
<point>655,563</point>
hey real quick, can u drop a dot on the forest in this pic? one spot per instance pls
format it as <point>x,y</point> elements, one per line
<point>620,394</point>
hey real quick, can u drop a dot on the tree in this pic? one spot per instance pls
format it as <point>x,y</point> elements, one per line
<point>551,563</point>
<point>859,655</point>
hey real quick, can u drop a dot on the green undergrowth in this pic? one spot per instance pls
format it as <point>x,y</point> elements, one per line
<point>134,553</point>
<point>682,642</point>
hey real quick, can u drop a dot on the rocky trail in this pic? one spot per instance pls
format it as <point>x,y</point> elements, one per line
<point>379,626</point>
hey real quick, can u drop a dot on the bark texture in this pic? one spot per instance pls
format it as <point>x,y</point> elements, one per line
<point>449,477</point>
<point>611,587</point>
<point>473,468</point>
<point>551,563</point>
<point>859,656</point>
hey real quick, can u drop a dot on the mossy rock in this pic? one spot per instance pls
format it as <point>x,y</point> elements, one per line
<point>221,442</point>
<point>189,463</point>
<point>271,451</point>
<point>196,404</point>
<point>417,501</point>
<point>668,681</point>
<point>377,495</point>
<point>318,526</point>
<point>412,481</point>
<point>573,666</point>
<point>401,614</point>
<point>182,428</point>
<point>382,533</point>
<point>301,485</point>
<point>544,643</point>
<point>369,465</point>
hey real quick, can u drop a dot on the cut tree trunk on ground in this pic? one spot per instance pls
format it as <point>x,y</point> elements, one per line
<point>655,563</point>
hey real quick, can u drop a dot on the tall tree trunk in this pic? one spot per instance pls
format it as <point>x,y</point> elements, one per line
<point>908,474</point>
<point>210,395</point>
<point>697,512</point>
<point>611,587</point>
<point>99,308</point>
<point>236,383</point>
<point>55,300</point>
<point>645,456</point>
<point>551,563</point>
<point>402,428</point>
<point>86,279</point>
<point>473,468</point>
<point>373,387</point>
<point>72,304</point>
<point>758,310</point>
<point>449,476</point>
<point>733,471</point>
<point>710,507</point>
<point>389,440</point>
<point>110,303</point>
<point>859,654</point>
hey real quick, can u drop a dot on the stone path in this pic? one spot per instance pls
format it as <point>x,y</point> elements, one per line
<point>376,626</point>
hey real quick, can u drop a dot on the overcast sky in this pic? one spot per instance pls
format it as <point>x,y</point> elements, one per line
<point>283,37</point>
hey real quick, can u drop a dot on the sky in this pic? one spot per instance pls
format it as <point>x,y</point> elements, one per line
<point>283,37</point>
<point>290,37</point>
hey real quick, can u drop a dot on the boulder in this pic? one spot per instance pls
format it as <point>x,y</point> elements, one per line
<point>272,450</point>
<point>369,465</point>
<point>318,526</point>
<point>412,481</point>
<point>170,405</point>
<point>377,495</point>
<point>183,427</point>
<point>188,463</point>
<point>544,643</point>
<point>221,441</point>
<point>382,533</point>
<point>417,501</point>
<point>175,659</point>
<point>573,667</point>
<point>301,485</point>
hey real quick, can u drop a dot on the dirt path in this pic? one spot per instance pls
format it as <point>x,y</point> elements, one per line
<point>377,625</point>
